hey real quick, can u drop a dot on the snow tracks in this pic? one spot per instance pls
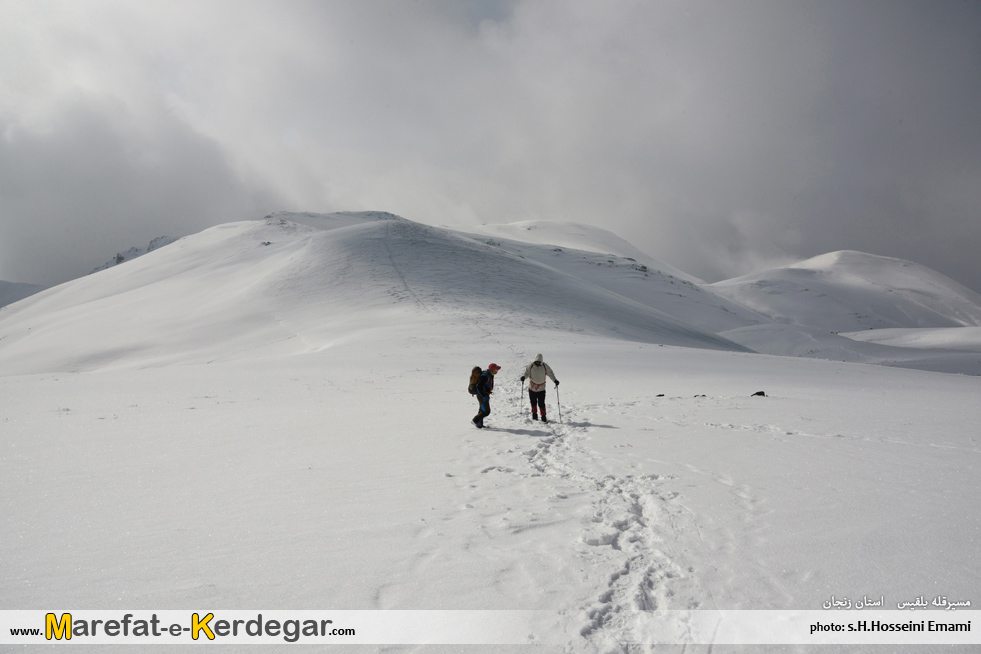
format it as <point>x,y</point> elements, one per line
<point>625,534</point>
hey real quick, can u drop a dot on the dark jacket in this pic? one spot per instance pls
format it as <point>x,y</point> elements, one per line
<point>485,383</point>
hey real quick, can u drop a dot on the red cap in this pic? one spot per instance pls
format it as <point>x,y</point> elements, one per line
<point>493,366</point>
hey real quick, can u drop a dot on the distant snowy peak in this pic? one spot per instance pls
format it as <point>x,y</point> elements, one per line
<point>851,291</point>
<point>136,252</point>
<point>578,237</point>
<point>884,270</point>
<point>11,292</point>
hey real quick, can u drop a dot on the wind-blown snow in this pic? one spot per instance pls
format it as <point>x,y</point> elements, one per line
<point>272,415</point>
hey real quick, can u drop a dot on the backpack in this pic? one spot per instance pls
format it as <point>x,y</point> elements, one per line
<point>474,377</point>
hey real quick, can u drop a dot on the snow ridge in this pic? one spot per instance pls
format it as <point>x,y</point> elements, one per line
<point>134,252</point>
<point>284,285</point>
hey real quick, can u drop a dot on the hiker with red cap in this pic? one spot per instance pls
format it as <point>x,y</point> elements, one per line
<point>536,373</point>
<point>483,389</point>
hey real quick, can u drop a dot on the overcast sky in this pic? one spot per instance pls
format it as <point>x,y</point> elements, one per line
<point>720,136</point>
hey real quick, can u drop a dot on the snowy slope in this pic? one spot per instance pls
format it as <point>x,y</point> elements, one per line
<point>134,252</point>
<point>851,291</point>
<point>284,426</point>
<point>950,338</point>
<point>11,292</point>
<point>350,478</point>
<point>653,284</point>
<point>798,341</point>
<point>938,354</point>
<point>288,287</point>
<point>577,236</point>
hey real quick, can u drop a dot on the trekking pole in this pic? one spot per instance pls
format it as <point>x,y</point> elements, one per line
<point>558,402</point>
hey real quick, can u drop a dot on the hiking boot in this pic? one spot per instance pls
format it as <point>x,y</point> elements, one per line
<point>478,425</point>
<point>534,416</point>
<point>544,419</point>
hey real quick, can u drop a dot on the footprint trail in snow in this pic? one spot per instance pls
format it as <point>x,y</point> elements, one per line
<point>630,530</point>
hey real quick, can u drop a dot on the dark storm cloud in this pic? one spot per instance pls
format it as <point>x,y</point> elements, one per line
<point>93,158</point>
<point>89,187</point>
<point>899,138</point>
<point>719,136</point>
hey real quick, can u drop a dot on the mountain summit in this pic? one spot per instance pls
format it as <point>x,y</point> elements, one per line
<point>294,283</point>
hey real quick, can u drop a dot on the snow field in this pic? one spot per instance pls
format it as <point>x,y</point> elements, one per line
<point>228,424</point>
<point>339,480</point>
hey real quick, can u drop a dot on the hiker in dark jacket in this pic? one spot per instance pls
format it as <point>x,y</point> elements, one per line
<point>485,386</point>
<point>536,373</point>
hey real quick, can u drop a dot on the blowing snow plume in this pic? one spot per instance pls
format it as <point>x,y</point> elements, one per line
<point>295,283</point>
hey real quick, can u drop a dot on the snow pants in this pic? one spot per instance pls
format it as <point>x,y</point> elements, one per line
<point>483,411</point>
<point>537,401</point>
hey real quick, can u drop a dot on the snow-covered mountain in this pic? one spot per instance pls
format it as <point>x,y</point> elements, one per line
<point>850,291</point>
<point>577,236</point>
<point>270,284</point>
<point>270,415</point>
<point>797,310</point>
<point>832,306</point>
<point>291,283</point>
<point>639,277</point>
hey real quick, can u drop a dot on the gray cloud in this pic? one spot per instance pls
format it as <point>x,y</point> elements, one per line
<point>74,195</point>
<point>720,137</point>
